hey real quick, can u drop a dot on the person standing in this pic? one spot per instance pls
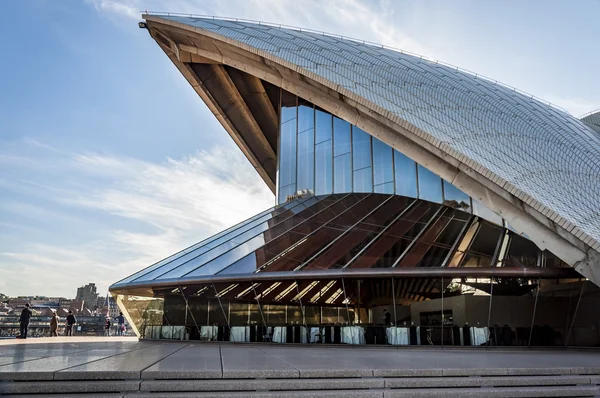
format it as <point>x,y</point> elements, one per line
<point>71,321</point>
<point>107,325</point>
<point>386,317</point>
<point>121,322</point>
<point>24,321</point>
<point>54,325</point>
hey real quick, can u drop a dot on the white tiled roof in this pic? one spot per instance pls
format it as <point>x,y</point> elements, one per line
<point>543,152</point>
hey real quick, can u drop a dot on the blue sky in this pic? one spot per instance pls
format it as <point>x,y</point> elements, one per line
<point>109,161</point>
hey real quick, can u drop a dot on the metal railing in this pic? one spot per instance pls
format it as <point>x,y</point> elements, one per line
<point>589,113</point>
<point>421,57</point>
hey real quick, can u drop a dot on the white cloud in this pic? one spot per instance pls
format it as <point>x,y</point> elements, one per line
<point>371,21</point>
<point>140,212</point>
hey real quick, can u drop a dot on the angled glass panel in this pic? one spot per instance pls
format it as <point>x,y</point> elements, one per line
<point>363,180</point>
<point>286,191</point>
<point>183,266</point>
<point>388,188</point>
<point>521,253</point>
<point>341,137</point>
<point>342,173</point>
<point>430,186</point>
<point>361,149</point>
<point>405,170</point>
<point>360,235</point>
<point>306,118</point>
<point>482,211</point>
<point>289,106</point>
<point>306,160</point>
<point>287,157</point>
<point>324,126</point>
<point>454,197</point>
<point>229,257</point>
<point>192,260</point>
<point>383,168</point>
<point>206,241</point>
<point>329,232</point>
<point>482,249</point>
<point>324,168</point>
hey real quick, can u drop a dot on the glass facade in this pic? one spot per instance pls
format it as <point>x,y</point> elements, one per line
<point>323,154</point>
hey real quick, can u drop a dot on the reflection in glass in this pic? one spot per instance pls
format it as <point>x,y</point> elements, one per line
<point>482,211</point>
<point>383,170</point>
<point>324,126</point>
<point>306,118</point>
<point>430,185</point>
<point>287,158</point>
<point>342,173</point>
<point>306,160</point>
<point>521,253</point>
<point>324,168</point>
<point>361,149</point>
<point>456,198</point>
<point>286,191</point>
<point>363,180</point>
<point>341,137</point>
<point>388,187</point>
<point>406,175</point>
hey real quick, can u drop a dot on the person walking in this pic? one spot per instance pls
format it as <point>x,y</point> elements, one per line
<point>71,321</point>
<point>107,325</point>
<point>24,321</point>
<point>54,325</point>
<point>121,322</point>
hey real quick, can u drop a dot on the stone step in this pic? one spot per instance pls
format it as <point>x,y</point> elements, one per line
<point>499,392</point>
<point>402,385</point>
<point>359,383</point>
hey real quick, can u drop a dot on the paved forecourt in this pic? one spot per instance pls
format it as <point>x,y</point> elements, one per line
<point>133,366</point>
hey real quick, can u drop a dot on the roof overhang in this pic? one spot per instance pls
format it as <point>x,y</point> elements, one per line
<point>187,46</point>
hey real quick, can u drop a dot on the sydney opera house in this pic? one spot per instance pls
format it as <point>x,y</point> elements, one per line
<point>416,203</point>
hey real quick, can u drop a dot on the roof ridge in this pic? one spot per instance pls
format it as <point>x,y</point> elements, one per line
<point>297,28</point>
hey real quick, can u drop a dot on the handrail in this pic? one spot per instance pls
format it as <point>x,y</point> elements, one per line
<point>589,113</point>
<point>421,57</point>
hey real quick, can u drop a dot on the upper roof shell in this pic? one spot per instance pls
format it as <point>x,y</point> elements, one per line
<point>532,163</point>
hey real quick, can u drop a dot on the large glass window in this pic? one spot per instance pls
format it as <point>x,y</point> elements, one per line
<point>306,160</point>
<point>324,126</point>
<point>341,137</point>
<point>430,185</point>
<point>287,157</point>
<point>363,180</point>
<point>456,198</point>
<point>324,167</point>
<point>306,118</point>
<point>324,154</point>
<point>406,175</point>
<point>361,149</point>
<point>383,169</point>
<point>481,210</point>
<point>342,173</point>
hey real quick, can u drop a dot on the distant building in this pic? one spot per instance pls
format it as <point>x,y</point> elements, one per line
<point>88,295</point>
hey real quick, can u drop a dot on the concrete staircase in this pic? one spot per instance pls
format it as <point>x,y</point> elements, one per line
<point>512,382</point>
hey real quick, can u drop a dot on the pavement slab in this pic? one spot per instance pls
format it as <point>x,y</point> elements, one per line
<point>243,362</point>
<point>126,366</point>
<point>196,361</point>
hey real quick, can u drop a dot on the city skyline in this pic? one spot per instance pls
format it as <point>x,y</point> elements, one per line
<point>137,194</point>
